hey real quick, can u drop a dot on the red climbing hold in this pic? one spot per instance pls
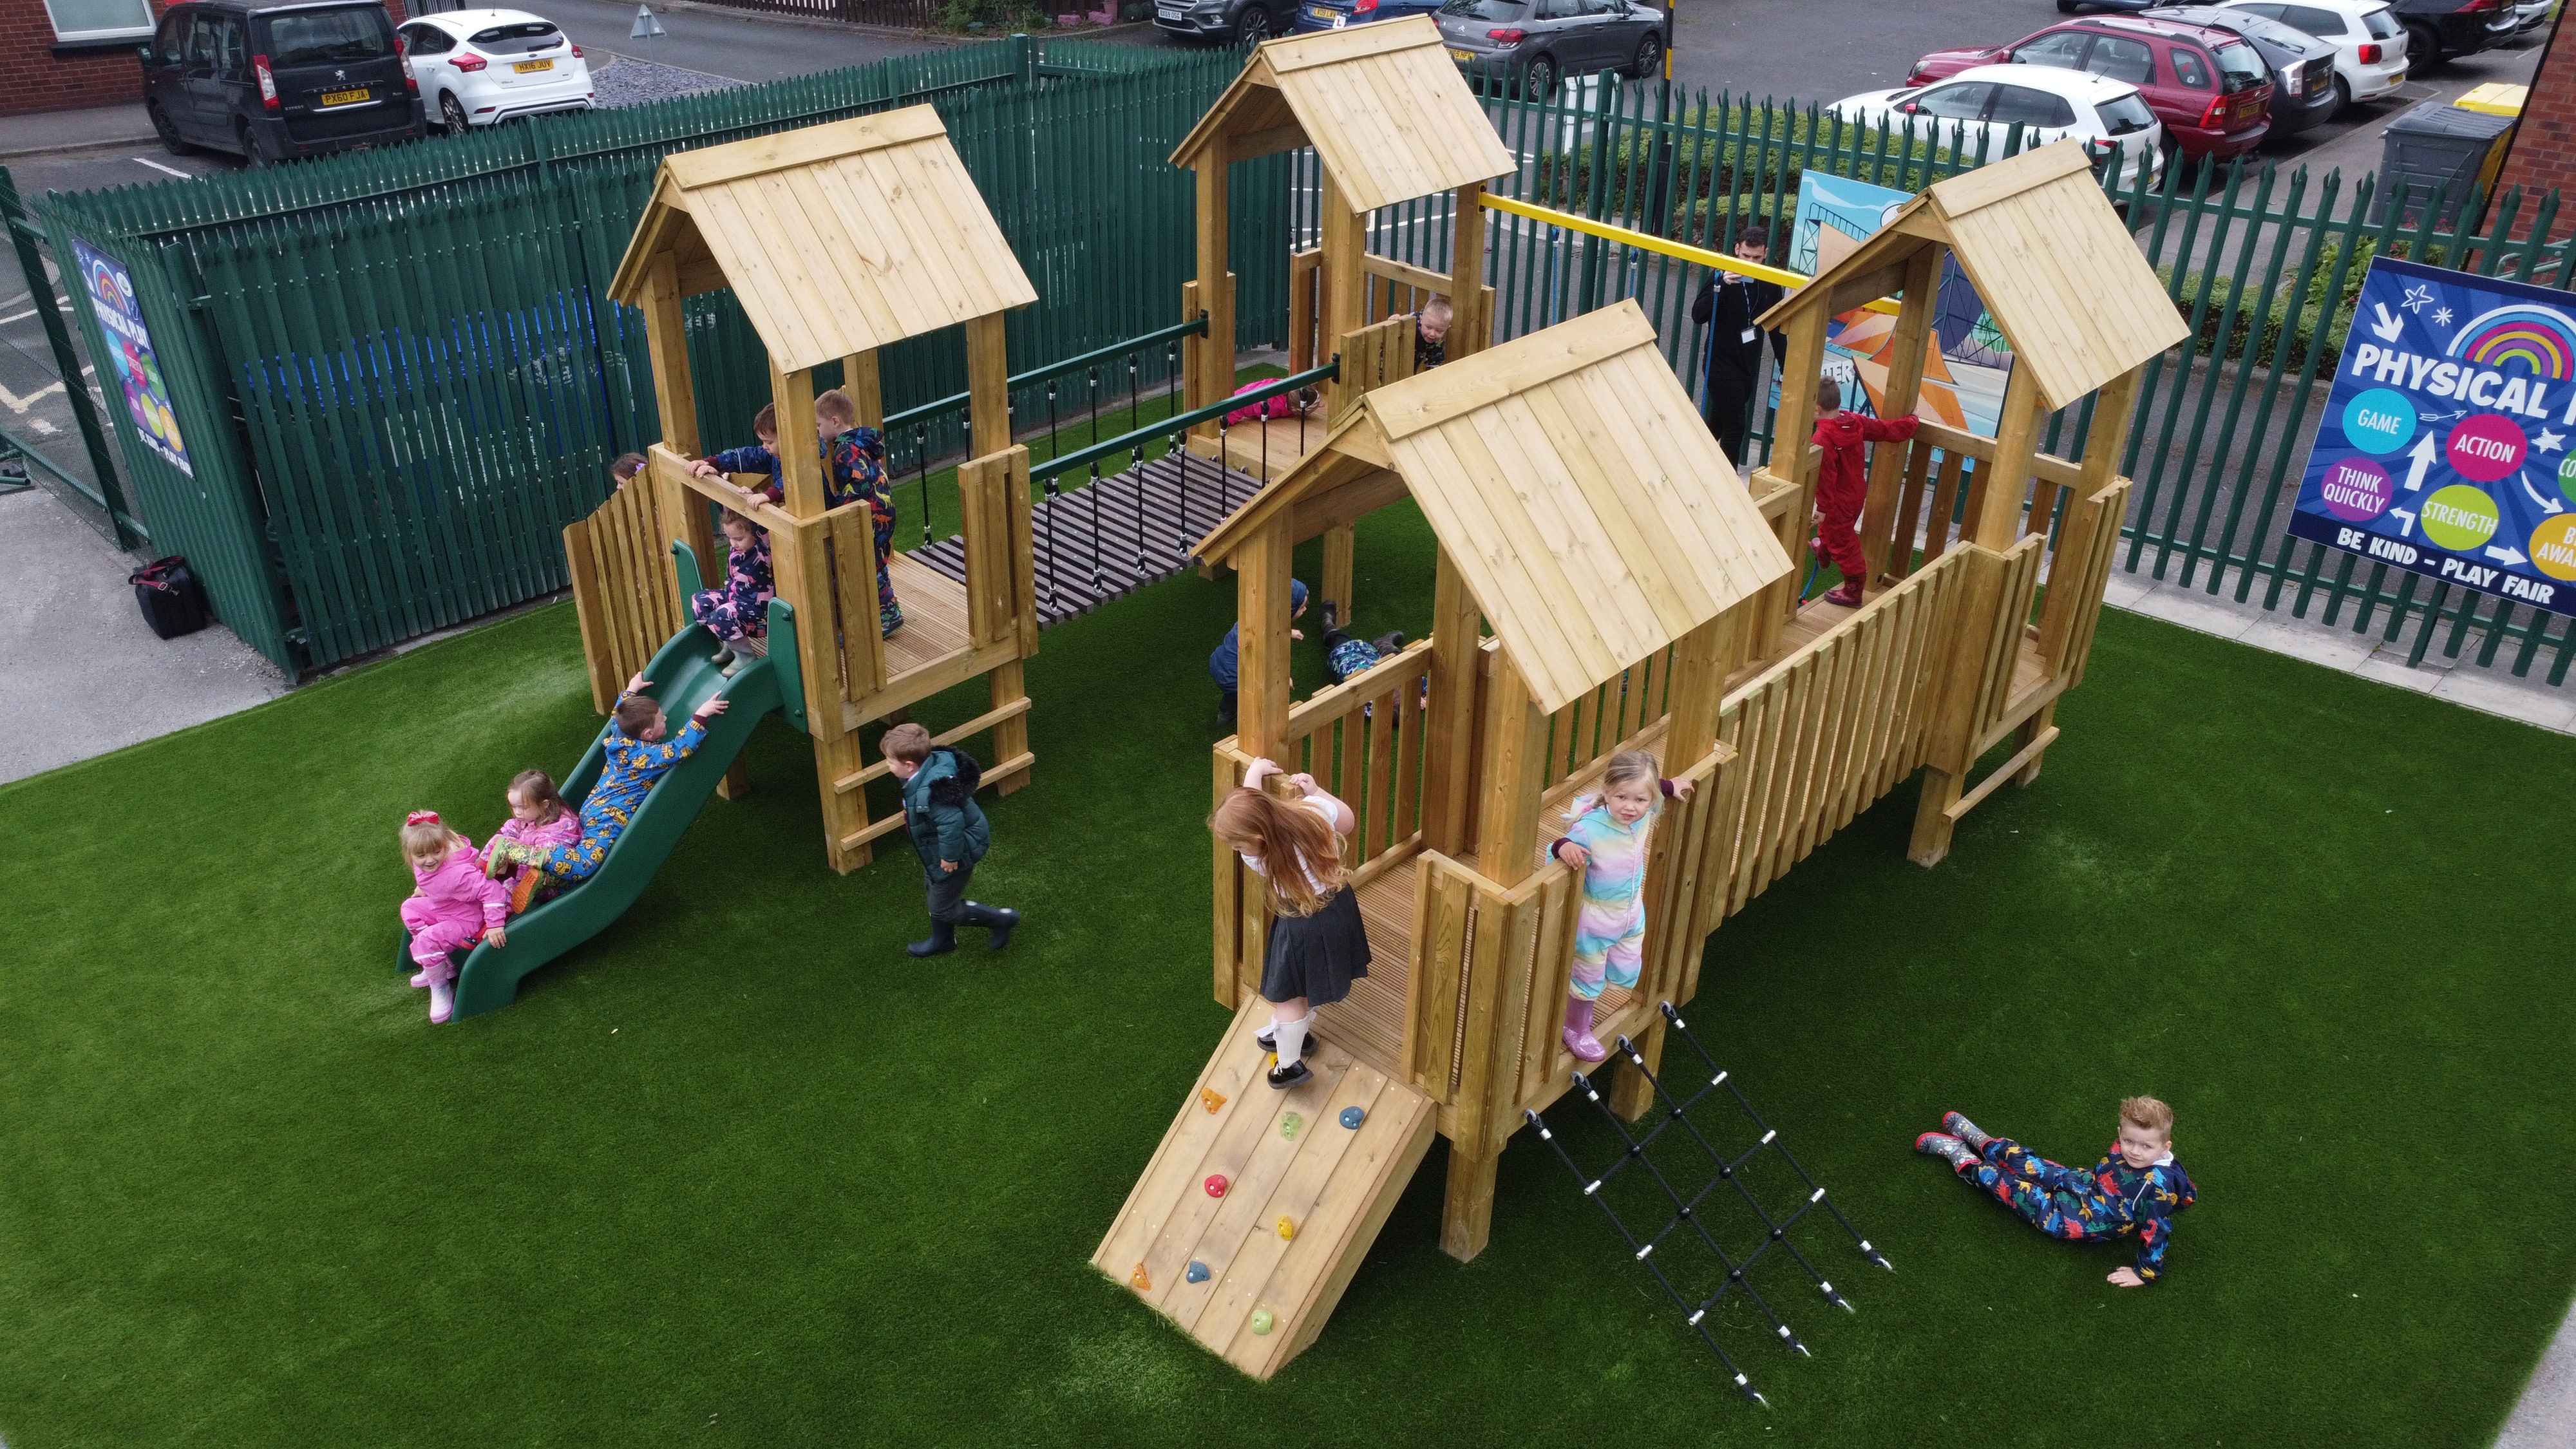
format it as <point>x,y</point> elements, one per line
<point>1216,1184</point>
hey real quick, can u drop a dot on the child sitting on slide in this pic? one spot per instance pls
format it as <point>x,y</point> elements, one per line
<point>739,609</point>
<point>761,457</point>
<point>2137,1187</point>
<point>638,755</point>
<point>1607,842</point>
<point>452,905</point>
<point>540,820</point>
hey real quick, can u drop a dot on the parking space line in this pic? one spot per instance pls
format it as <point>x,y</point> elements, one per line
<point>157,166</point>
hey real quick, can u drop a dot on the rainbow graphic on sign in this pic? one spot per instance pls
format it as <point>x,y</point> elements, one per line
<point>2539,338</point>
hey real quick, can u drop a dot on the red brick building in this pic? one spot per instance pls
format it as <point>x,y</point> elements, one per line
<point>67,55</point>
<point>2543,149</point>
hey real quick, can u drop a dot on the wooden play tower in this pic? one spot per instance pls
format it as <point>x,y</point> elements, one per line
<point>1606,581</point>
<point>837,240</point>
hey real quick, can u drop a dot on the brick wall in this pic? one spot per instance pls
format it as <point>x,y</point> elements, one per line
<point>40,80</point>
<point>2543,153</point>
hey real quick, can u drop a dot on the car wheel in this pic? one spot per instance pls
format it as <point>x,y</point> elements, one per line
<point>451,113</point>
<point>2423,48</point>
<point>1650,54</point>
<point>1253,26</point>
<point>1538,78</point>
<point>2343,98</point>
<point>252,151</point>
<point>168,133</point>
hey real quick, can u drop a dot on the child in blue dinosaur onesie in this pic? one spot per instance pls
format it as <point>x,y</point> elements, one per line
<point>2137,1187</point>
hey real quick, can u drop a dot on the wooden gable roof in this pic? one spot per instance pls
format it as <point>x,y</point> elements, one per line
<point>1383,105</point>
<point>2059,272</point>
<point>1571,480</point>
<point>837,239</point>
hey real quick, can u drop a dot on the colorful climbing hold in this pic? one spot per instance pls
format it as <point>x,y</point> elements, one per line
<point>1352,1117</point>
<point>1287,1229</point>
<point>1289,1124</point>
<point>1263,1320</point>
<point>1198,1271</point>
<point>1211,1100</point>
<point>1144,1284</point>
<point>1216,1184</point>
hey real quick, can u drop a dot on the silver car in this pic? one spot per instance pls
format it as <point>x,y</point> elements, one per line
<point>1535,42</point>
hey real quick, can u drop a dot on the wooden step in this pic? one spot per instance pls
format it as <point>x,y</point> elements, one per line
<point>1335,1186</point>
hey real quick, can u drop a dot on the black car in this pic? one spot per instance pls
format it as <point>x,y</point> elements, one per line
<point>1247,21</point>
<point>275,82</point>
<point>2440,30</point>
<point>2303,73</point>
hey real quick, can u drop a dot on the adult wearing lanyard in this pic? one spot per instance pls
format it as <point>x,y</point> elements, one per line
<point>1727,304</point>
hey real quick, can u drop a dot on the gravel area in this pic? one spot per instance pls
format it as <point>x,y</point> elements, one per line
<point>626,81</point>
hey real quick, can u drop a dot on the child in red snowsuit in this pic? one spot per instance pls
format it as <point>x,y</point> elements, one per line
<point>1842,484</point>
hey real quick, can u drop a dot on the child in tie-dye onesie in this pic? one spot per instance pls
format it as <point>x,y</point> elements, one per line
<point>1607,842</point>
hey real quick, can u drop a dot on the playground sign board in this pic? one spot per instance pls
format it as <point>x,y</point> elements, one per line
<point>2444,446</point>
<point>129,355</point>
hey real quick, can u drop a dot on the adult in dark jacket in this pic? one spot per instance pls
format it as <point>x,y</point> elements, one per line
<point>948,831</point>
<point>1727,304</point>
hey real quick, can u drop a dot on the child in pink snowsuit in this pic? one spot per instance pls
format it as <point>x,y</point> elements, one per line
<point>456,905</point>
<point>1285,405</point>
<point>540,819</point>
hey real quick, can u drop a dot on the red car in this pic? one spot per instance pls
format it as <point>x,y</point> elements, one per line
<point>2210,89</point>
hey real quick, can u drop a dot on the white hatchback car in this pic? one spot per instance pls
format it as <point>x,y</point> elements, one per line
<point>2370,46</point>
<point>2048,104</point>
<point>483,67</point>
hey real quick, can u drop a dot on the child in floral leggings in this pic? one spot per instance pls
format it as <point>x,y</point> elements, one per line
<point>2137,1187</point>
<point>740,609</point>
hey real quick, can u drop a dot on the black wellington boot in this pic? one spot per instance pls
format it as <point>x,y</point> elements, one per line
<point>996,919</point>
<point>943,939</point>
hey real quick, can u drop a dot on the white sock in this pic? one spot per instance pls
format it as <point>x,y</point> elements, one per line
<point>1272,1030</point>
<point>1292,1039</point>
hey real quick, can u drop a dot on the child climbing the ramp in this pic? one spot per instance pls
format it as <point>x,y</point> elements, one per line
<point>2137,1187</point>
<point>739,610</point>
<point>1225,665</point>
<point>948,831</point>
<point>760,457</point>
<point>1842,485</point>
<point>452,906</point>
<point>540,820</point>
<point>1607,842</point>
<point>638,755</point>
<point>1318,942</point>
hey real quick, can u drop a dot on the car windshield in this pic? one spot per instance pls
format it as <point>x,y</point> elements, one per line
<point>2242,68</point>
<point>1487,9</point>
<point>2125,115</point>
<point>2381,25</point>
<point>324,37</point>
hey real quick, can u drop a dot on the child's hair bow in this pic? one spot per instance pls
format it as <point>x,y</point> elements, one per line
<point>421,817</point>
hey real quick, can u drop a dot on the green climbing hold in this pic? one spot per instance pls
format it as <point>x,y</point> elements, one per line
<point>1263,1320</point>
<point>1289,1124</point>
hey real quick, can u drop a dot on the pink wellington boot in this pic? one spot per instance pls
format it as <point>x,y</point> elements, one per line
<point>420,978</point>
<point>442,1001</point>
<point>1578,1031</point>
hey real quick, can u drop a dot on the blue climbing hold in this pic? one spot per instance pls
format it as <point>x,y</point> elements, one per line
<point>1352,1117</point>
<point>1198,1272</point>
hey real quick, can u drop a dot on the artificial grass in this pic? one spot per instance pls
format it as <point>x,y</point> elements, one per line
<point>741,1172</point>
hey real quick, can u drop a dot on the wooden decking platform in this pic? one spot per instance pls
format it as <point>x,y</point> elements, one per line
<point>1369,1023</point>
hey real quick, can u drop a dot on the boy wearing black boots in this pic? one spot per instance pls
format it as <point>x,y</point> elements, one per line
<point>948,831</point>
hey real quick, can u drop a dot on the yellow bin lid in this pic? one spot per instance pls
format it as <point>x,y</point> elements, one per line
<point>2495,98</point>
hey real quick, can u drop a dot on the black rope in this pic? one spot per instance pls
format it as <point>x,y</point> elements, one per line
<point>921,461</point>
<point>1046,514</point>
<point>1099,585</point>
<point>1180,454</point>
<point>1136,477</point>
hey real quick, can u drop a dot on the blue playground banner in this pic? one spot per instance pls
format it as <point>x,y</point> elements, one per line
<point>2444,448</point>
<point>129,355</point>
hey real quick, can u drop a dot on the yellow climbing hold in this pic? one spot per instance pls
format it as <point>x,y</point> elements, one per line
<point>1211,1099</point>
<point>1144,1284</point>
<point>1287,1229</point>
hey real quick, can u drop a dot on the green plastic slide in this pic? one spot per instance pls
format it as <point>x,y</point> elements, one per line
<point>683,676</point>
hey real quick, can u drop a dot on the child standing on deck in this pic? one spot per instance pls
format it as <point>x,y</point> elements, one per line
<point>1318,942</point>
<point>540,820</point>
<point>2137,1187</point>
<point>1842,485</point>
<point>740,609</point>
<point>761,457</point>
<point>854,460</point>
<point>638,755</point>
<point>1607,842</point>
<point>452,905</point>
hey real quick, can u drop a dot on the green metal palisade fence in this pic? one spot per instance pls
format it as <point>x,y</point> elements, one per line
<point>397,377</point>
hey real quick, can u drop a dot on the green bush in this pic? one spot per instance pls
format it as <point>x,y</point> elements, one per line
<point>999,17</point>
<point>1711,152</point>
<point>2313,313</point>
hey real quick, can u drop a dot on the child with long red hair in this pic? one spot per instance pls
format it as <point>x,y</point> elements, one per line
<point>1318,944</point>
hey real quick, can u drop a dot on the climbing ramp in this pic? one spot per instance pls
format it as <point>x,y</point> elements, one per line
<point>1703,1194</point>
<point>1115,534</point>
<point>1259,1205</point>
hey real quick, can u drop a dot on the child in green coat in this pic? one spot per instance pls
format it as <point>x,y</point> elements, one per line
<point>948,831</point>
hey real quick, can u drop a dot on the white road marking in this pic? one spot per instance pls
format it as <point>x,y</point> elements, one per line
<point>19,405</point>
<point>157,166</point>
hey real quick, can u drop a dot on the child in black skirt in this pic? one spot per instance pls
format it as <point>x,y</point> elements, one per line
<point>1318,943</point>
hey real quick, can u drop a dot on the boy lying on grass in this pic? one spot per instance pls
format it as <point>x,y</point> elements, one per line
<point>2137,1187</point>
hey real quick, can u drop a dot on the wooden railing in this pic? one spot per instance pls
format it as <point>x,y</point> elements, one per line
<point>1362,740</point>
<point>1616,715</point>
<point>623,588</point>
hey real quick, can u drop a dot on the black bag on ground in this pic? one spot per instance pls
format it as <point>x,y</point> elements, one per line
<point>174,603</point>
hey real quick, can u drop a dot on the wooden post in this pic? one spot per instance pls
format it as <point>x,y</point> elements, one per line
<point>1344,243</point>
<point>1214,377</point>
<point>666,334</point>
<point>1470,329</point>
<point>1996,521</point>
<point>988,386</point>
<point>1956,666</point>
<point>1515,762</point>
<point>1341,541</point>
<point>2112,408</point>
<point>800,457</point>
<point>1904,389</point>
<point>1449,718</point>
<point>1261,567</point>
<point>860,379</point>
<point>1489,1071</point>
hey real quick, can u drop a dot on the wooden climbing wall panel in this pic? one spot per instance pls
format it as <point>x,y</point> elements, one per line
<point>1263,1296</point>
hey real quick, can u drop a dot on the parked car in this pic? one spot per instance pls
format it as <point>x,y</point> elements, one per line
<point>2045,103</point>
<point>2211,91</point>
<point>1341,14</point>
<point>2444,30</point>
<point>2303,89</point>
<point>1534,42</point>
<point>2370,46</point>
<point>2530,15</point>
<point>275,82</point>
<point>1248,22</point>
<point>483,67</point>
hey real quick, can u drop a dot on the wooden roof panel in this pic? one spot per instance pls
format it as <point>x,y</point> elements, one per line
<point>837,239</point>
